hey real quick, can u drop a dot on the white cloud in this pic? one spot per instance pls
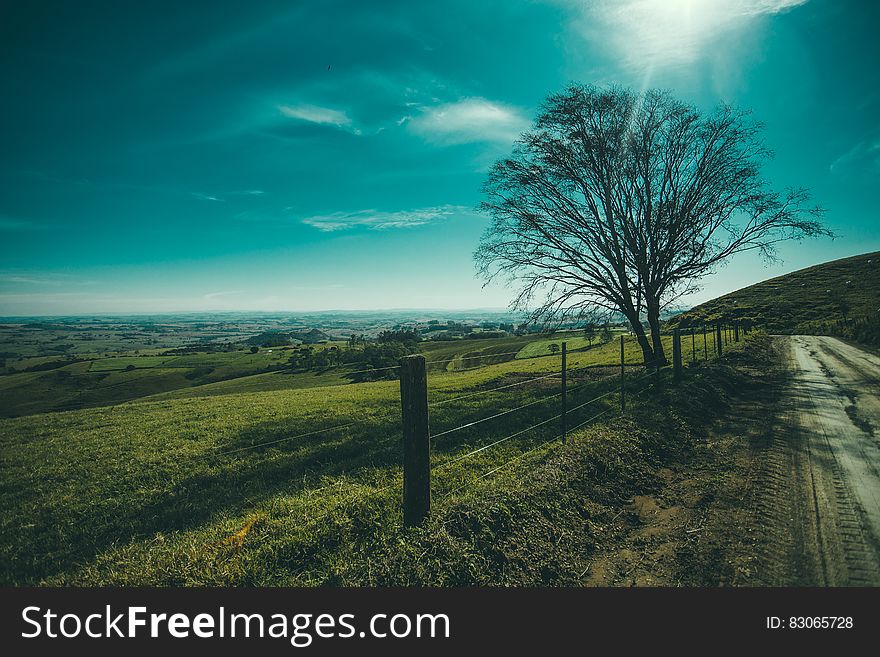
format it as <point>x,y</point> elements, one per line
<point>41,278</point>
<point>218,295</point>
<point>315,114</point>
<point>21,279</point>
<point>469,120</point>
<point>376,220</point>
<point>209,197</point>
<point>645,34</point>
<point>863,157</point>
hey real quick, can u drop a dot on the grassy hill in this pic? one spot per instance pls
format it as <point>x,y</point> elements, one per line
<point>99,380</point>
<point>186,490</point>
<point>814,300</point>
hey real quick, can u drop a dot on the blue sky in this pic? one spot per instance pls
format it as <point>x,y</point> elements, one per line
<point>329,155</point>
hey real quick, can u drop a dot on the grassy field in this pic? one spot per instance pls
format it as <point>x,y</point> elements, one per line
<point>91,380</point>
<point>119,363</point>
<point>102,381</point>
<point>182,490</point>
<point>806,301</point>
<point>97,380</point>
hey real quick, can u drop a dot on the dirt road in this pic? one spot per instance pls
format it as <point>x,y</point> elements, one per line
<point>822,469</point>
<point>783,487</point>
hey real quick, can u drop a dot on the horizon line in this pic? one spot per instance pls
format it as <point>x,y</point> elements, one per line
<point>260,312</point>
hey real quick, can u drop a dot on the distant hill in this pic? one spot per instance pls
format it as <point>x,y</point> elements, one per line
<point>281,338</point>
<point>811,300</point>
<point>313,336</point>
<point>270,339</point>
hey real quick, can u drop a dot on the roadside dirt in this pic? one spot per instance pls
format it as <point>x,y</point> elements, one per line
<point>784,492</point>
<point>699,529</point>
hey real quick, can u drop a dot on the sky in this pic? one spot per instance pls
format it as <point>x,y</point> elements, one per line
<point>188,156</point>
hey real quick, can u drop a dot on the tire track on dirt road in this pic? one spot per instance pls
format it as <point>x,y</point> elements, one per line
<point>821,479</point>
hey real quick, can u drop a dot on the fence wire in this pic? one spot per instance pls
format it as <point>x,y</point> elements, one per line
<point>496,415</point>
<point>496,469</point>
<point>285,439</point>
<point>486,392</point>
<point>497,442</point>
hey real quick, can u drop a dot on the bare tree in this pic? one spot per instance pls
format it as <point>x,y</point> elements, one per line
<point>619,202</point>
<point>590,332</point>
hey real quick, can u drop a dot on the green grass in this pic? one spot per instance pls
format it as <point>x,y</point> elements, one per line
<point>175,489</point>
<point>86,490</point>
<point>807,301</point>
<point>460,354</point>
<point>264,382</point>
<point>21,364</point>
<point>542,347</point>
<point>121,362</point>
<point>102,381</point>
<point>105,381</point>
<point>141,493</point>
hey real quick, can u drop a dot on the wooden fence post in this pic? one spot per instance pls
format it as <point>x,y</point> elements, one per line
<point>416,440</point>
<point>622,380</point>
<point>564,395</point>
<point>676,353</point>
<point>705,344</point>
<point>693,345</point>
<point>736,331</point>
<point>718,349</point>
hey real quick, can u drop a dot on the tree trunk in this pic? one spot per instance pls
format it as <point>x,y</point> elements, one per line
<point>656,340</point>
<point>641,337</point>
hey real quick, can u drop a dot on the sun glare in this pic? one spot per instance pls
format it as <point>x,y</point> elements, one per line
<point>673,30</point>
<point>650,34</point>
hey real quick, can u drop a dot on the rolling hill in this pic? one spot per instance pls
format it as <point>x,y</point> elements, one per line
<point>813,300</point>
<point>151,490</point>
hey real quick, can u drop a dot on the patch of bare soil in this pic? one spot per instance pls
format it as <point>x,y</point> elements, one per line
<point>695,532</point>
<point>700,528</point>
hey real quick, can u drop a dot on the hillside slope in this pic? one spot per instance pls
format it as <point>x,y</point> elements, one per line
<point>811,300</point>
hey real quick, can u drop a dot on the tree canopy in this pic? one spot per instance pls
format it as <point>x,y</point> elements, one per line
<point>620,202</point>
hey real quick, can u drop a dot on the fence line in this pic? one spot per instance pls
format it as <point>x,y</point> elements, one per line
<point>594,399</point>
<point>587,421</point>
<point>720,334</point>
<point>282,440</point>
<point>517,457</point>
<point>495,416</point>
<point>497,442</point>
<point>534,426</point>
<point>485,392</point>
<point>503,465</point>
<point>372,493</point>
<point>651,368</point>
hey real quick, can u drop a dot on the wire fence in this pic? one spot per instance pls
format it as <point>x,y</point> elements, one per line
<point>418,435</point>
<point>474,435</point>
<point>544,410</point>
